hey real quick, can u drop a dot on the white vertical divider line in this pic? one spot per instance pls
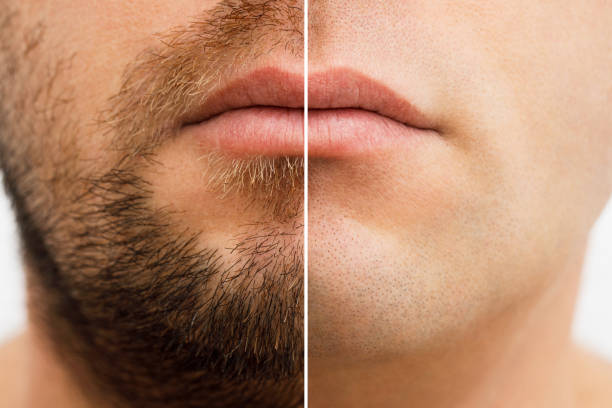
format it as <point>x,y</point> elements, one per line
<point>306,203</point>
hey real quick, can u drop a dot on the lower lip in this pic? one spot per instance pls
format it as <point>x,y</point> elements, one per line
<point>336,133</point>
<point>270,131</point>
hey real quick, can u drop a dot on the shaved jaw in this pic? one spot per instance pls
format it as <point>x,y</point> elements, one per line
<point>142,304</point>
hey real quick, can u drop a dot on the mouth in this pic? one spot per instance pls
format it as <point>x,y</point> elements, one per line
<point>262,114</point>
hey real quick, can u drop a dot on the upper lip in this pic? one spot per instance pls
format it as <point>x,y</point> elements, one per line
<point>269,87</point>
<point>343,88</point>
<point>338,88</point>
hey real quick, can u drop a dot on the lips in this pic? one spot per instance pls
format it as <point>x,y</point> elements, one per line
<point>262,113</point>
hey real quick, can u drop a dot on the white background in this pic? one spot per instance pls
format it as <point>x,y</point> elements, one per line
<point>592,327</point>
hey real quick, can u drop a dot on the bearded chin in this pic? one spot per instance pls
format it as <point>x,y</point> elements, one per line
<point>146,315</point>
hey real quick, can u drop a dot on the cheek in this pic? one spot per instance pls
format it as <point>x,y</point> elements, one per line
<point>84,49</point>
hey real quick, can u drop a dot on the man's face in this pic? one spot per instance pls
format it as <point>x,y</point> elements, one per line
<point>167,266</point>
<point>417,241</point>
<point>171,263</point>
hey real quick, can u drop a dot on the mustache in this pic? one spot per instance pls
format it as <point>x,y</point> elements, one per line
<point>167,81</point>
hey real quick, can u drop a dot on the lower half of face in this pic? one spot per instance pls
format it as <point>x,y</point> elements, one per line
<point>413,248</point>
<point>410,248</point>
<point>153,270</point>
<point>182,270</point>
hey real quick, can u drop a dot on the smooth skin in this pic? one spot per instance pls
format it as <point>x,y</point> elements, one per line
<point>446,275</point>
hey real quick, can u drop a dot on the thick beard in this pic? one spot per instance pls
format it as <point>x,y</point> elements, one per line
<point>140,313</point>
<point>132,304</point>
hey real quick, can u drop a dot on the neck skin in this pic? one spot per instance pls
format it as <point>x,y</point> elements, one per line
<point>522,358</point>
<point>33,377</point>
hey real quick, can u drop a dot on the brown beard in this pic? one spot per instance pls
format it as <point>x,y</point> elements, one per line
<point>139,313</point>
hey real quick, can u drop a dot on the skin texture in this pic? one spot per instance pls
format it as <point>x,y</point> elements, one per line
<point>446,275</point>
<point>159,273</point>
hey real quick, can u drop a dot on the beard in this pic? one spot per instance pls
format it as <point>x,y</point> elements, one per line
<point>138,308</point>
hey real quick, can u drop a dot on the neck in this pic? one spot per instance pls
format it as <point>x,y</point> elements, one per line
<point>521,358</point>
<point>32,377</point>
<point>47,378</point>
